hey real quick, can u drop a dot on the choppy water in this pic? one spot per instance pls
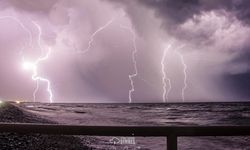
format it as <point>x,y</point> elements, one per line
<point>154,115</point>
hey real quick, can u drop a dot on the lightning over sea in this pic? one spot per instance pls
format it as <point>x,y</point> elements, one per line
<point>165,79</point>
<point>33,66</point>
<point>184,72</point>
<point>134,52</point>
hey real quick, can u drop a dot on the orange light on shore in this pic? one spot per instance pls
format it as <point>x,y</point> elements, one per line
<point>18,102</point>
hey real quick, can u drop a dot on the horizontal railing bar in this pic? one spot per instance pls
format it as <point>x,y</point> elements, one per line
<point>25,128</point>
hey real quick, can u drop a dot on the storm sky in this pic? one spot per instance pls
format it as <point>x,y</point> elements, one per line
<point>207,39</point>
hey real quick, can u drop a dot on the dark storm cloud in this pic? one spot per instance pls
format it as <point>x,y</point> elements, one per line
<point>174,13</point>
<point>243,57</point>
<point>239,84</point>
<point>238,79</point>
<point>178,11</point>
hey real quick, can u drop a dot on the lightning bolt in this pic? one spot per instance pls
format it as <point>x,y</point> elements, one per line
<point>132,76</point>
<point>40,46</point>
<point>184,72</point>
<point>39,35</point>
<point>165,79</point>
<point>22,26</point>
<point>92,37</point>
<point>33,67</point>
<point>35,91</point>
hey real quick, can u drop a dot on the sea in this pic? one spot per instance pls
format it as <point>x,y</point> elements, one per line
<point>172,114</point>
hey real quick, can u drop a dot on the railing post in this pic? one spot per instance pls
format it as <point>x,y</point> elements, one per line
<point>172,142</point>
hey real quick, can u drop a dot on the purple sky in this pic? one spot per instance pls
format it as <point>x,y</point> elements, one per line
<point>211,36</point>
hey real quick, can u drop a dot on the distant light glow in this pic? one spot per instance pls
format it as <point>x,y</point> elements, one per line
<point>28,66</point>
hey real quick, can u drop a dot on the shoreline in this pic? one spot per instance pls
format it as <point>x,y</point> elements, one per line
<point>12,114</point>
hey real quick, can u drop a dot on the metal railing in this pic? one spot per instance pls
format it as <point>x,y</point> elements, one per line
<point>170,132</point>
